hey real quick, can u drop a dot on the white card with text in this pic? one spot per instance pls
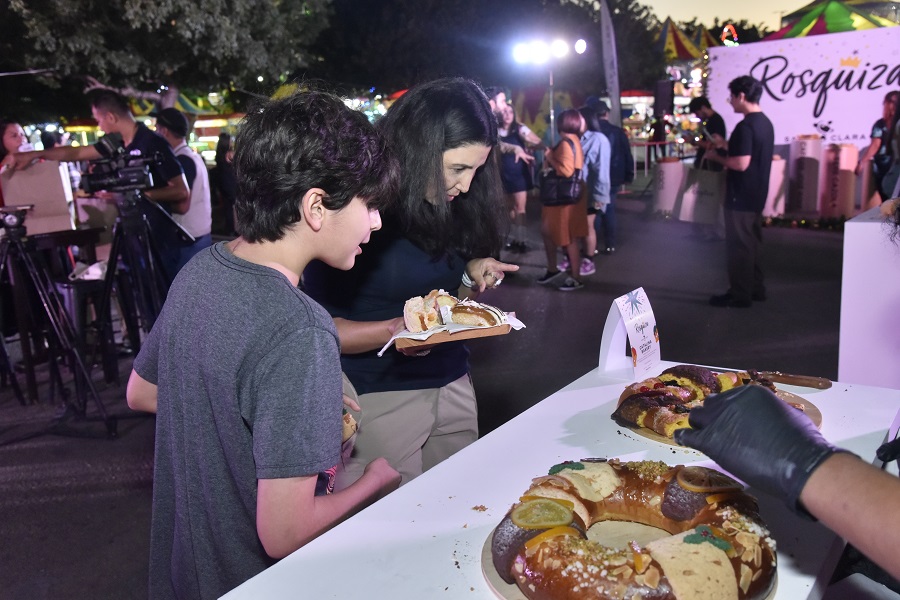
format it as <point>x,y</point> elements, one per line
<point>631,318</point>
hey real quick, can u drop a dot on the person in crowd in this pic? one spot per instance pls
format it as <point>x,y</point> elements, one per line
<point>243,369</point>
<point>13,140</point>
<point>497,98</point>
<point>776,449</point>
<point>890,185</point>
<point>114,118</point>
<point>595,173</point>
<point>563,226</point>
<point>713,134</point>
<point>749,162</point>
<point>879,153</point>
<point>226,180</point>
<point>173,125</point>
<point>517,175</point>
<point>50,139</point>
<point>659,137</point>
<point>621,168</point>
<point>442,233</point>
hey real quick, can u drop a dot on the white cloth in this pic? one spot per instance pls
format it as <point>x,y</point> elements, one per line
<point>198,219</point>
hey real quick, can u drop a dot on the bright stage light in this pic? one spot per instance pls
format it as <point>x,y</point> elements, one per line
<point>521,54</point>
<point>580,47</point>
<point>559,48</point>
<point>539,52</point>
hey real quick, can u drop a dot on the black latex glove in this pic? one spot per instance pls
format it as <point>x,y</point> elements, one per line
<point>759,438</point>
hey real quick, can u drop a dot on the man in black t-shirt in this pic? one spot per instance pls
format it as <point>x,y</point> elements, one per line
<point>712,132</point>
<point>114,118</point>
<point>749,162</point>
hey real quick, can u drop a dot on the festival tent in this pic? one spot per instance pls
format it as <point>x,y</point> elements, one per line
<point>831,16</point>
<point>674,45</point>
<point>705,39</point>
<point>872,6</point>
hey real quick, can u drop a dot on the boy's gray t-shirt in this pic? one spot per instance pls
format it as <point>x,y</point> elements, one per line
<point>249,387</point>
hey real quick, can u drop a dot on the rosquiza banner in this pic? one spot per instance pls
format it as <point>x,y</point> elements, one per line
<point>832,85</point>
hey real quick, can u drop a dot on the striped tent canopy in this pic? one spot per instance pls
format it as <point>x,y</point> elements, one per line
<point>674,45</point>
<point>869,6</point>
<point>201,106</point>
<point>830,16</point>
<point>705,39</point>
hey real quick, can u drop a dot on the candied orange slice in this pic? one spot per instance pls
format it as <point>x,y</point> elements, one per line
<point>550,533</point>
<point>706,481</point>
<point>567,503</point>
<point>541,513</point>
<point>713,498</point>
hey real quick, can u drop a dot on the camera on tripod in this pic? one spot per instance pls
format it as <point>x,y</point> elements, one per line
<point>13,217</point>
<point>118,171</point>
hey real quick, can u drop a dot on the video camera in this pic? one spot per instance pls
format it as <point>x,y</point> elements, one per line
<point>12,217</point>
<point>117,171</point>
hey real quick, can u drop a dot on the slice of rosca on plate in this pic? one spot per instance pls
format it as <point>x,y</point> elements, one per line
<point>661,404</point>
<point>438,308</point>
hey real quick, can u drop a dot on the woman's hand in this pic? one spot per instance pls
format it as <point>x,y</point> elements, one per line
<point>488,272</point>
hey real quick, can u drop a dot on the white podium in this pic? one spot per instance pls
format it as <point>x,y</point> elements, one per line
<point>869,347</point>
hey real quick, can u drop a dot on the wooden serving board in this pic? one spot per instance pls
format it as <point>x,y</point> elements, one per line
<point>446,336</point>
<point>609,533</point>
<point>812,411</point>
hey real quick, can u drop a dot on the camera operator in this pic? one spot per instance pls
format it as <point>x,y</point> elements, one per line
<point>173,126</point>
<point>114,118</point>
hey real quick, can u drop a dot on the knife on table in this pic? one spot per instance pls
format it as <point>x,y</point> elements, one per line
<point>819,383</point>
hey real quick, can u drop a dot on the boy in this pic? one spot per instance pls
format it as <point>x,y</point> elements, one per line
<point>246,367</point>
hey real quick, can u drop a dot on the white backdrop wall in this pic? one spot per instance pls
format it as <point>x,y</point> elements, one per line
<point>832,85</point>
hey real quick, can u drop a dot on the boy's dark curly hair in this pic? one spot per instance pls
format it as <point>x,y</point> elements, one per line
<point>310,139</point>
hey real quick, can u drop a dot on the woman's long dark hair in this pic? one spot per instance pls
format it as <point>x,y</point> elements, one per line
<point>426,121</point>
<point>222,148</point>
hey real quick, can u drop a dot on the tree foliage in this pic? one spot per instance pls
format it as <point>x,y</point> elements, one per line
<point>193,44</point>
<point>392,44</point>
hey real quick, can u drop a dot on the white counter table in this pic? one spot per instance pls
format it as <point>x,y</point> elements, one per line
<point>426,539</point>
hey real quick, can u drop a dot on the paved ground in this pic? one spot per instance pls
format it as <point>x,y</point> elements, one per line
<point>74,512</point>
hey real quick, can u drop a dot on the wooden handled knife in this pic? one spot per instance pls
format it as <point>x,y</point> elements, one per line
<point>819,383</point>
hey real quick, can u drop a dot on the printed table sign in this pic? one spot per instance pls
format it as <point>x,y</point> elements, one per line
<point>630,337</point>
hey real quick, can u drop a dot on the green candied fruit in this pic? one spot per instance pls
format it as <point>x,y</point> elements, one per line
<point>572,466</point>
<point>705,534</point>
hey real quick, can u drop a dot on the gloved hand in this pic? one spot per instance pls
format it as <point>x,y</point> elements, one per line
<point>759,438</point>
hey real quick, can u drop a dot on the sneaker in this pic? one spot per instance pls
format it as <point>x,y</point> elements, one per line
<point>570,285</point>
<point>563,265</point>
<point>587,267</point>
<point>549,277</point>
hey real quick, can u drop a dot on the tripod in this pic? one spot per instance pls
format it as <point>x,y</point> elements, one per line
<point>144,284</point>
<point>63,339</point>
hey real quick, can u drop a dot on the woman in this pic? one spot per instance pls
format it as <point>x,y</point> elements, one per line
<point>516,174</point>
<point>562,226</point>
<point>890,185</point>
<point>879,152</point>
<point>12,141</point>
<point>596,177</point>
<point>226,181</point>
<point>417,410</point>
